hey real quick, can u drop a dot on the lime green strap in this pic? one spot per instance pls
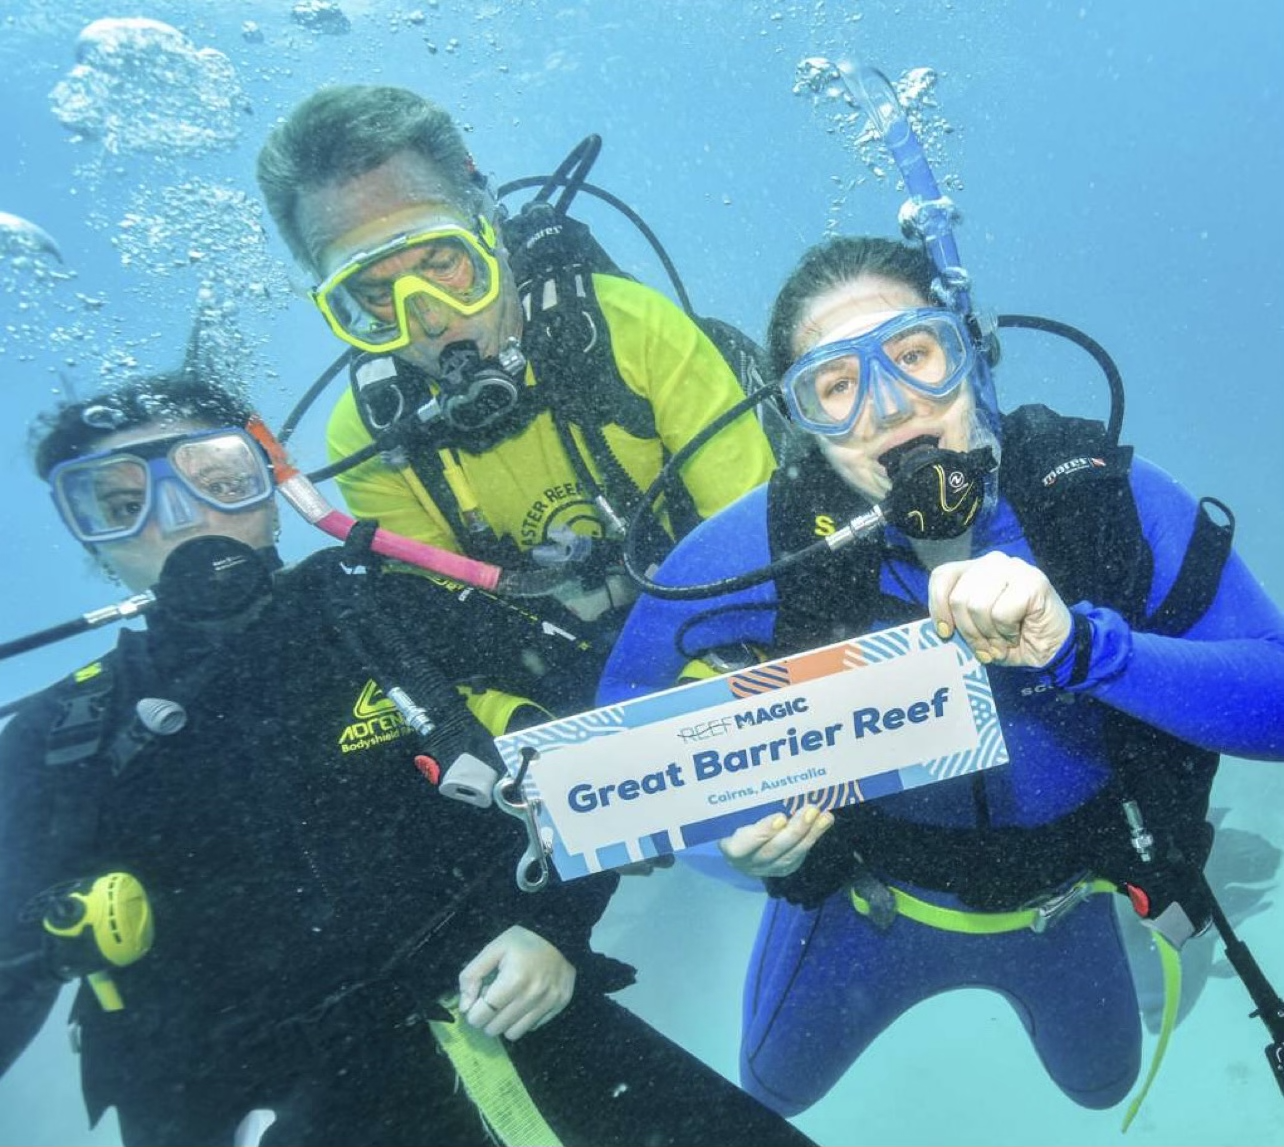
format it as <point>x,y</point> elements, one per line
<point>993,923</point>
<point>1170,961</point>
<point>492,1083</point>
<point>982,923</point>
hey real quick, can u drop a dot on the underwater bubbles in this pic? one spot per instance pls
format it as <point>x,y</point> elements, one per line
<point>196,222</point>
<point>142,86</point>
<point>30,260</point>
<point>323,16</point>
<point>826,83</point>
<point>20,236</point>
<point>31,267</point>
<point>198,229</point>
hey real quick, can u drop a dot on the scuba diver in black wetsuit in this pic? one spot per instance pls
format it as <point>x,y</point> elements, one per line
<point>228,829</point>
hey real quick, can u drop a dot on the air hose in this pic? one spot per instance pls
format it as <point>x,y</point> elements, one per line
<point>302,494</point>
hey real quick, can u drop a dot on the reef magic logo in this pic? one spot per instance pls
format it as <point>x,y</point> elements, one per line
<point>849,722</point>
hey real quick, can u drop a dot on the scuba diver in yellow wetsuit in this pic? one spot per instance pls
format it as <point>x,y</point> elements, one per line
<point>234,829</point>
<point>520,402</point>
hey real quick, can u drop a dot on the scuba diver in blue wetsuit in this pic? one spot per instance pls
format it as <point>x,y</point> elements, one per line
<point>1127,645</point>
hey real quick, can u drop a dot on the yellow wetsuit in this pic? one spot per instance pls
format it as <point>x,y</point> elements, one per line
<point>526,485</point>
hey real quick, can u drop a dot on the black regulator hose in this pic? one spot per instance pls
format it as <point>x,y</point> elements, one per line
<point>1087,343</point>
<point>653,240</point>
<point>935,494</point>
<point>570,174</point>
<point>310,396</point>
<point>632,562</point>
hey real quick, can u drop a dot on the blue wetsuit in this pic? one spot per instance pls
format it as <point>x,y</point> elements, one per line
<point>824,982</point>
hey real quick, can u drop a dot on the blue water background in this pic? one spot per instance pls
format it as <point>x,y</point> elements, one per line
<point>1118,166</point>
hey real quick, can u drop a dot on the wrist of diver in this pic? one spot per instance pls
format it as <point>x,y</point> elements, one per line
<point>1095,652</point>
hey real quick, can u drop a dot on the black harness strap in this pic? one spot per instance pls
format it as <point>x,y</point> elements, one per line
<point>1201,569</point>
<point>568,343</point>
<point>77,739</point>
<point>78,729</point>
<point>1068,484</point>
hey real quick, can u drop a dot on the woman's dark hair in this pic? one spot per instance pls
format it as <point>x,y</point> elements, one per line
<point>75,428</point>
<point>830,264</point>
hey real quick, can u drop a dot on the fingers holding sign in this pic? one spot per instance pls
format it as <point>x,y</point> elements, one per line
<point>776,845</point>
<point>518,982</point>
<point>1003,607</point>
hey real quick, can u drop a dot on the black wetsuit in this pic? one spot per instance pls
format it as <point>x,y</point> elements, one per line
<point>313,897</point>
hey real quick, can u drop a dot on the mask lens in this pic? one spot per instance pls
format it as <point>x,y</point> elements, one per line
<point>365,300</point>
<point>103,498</point>
<point>224,470</point>
<point>454,265</point>
<point>929,355</point>
<point>348,317</point>
<point>835,390</point>
<point>927,350</point>
<point>111,496</point>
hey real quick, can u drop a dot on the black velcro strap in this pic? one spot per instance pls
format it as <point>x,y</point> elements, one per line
<point>1082,649</point>
<point>358,546</point>
<point>1200,574</point>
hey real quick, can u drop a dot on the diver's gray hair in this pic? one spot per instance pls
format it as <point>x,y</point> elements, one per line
<point>341,132</point>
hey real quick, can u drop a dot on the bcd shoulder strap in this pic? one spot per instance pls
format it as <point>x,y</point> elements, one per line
<point>79,748</point>
<point>1069,487</point>
<point>79,726</point>
<point>554,259</point>
<point>568,343</point>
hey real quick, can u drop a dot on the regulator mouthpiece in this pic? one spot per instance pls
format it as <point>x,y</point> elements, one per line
<point>213,578</point>
<point>476,392</point>
<point>936,494</point>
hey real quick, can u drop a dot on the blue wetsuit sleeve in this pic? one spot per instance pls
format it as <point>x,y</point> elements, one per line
<point>1221,684</point>
<point>661,635</point>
